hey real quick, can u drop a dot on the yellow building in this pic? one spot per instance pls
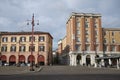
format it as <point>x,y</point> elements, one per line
<point>16,47</point>
<point>111,40</point>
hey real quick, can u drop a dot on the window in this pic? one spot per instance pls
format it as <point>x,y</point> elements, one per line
<point>86,24</point>
<point>4,39</point>
<point>86,32</point>
<point>113,40</point>
<point>87,47</point>
<point>13,48</point>
<point>96,32</point>
<point>96,39</point>
<point>105,41</point>
<point>77,39</point>
<point>78,31</point>
<point>31,48</point>
<point>13,39</point>
<point>23,39</point>
<point>41,38</point>
<point>112,33</point>
<point>97,47</point>
<point>77,47</point>
<point>30,38</point>
<point>41,48</point>
<point>95,25</point>
<point>78,24</point>
<point>87,40</point>
<point>112,48</point>
<point>22,48</point>
<point>105,47</point>
<point>4,48</point>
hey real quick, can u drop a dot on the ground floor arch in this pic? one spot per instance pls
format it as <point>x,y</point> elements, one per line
<point>3,59</point>
<point>21,59</point>
<point>12,60</point>
<point>41,60</point>
<point>88,60</point>
<point>31,58</point>
<point>78,59</point>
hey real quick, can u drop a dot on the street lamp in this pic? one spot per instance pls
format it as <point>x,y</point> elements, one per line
<point>0,51</point>
<point>33,24</point>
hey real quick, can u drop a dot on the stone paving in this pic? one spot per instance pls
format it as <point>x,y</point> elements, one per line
<point>56,70</point>
<point>77,70</point>
<point>9,70</point>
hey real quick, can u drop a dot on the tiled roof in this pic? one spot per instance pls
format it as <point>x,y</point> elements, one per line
<point>24,33</point>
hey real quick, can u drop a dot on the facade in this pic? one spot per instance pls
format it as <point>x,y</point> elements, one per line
<point>16,48</point>
<point>85,39</point>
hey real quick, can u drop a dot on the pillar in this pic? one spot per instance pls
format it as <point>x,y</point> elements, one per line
<point>75,61</point>
<point>118,64</point>
<point>110,63</point>
<point>102,63</point>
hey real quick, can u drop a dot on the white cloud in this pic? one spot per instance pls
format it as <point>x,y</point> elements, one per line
<point>53,14</point>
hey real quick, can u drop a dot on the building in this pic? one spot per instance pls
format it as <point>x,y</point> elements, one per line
<point>16,48</point>
<point>85,40</point>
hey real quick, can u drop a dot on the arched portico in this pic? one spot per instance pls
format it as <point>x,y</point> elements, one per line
<point>12,60</point>
<point>31,58</point>
<point>88,60</point>
<point>78,59</point>
<point>41,60</point>
<point>3,59</point>
<point>21,59</point>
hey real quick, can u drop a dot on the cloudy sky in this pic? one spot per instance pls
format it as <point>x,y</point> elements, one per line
<point>53,14</point>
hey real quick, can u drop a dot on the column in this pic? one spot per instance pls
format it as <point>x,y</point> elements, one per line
<point>75,61</point>
<point>118,64</point>
<point>110,63</point>
<point>70,60</point>
<point>102,63</point>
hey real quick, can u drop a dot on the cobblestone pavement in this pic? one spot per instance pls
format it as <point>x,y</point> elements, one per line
<point>56,70</point>
<point>9,70</point>
<point>77,70</point>
<point>63,73</point>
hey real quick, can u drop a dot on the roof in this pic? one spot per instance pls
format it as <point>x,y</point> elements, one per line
<point>112,29</point>
<point>84,14</point>
<point>24,33</point>
<point>108,57</point>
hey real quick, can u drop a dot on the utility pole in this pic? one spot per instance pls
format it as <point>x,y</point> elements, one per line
<point>33,24</point>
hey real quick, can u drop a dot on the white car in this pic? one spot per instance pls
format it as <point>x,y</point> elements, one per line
<point>6,64</point>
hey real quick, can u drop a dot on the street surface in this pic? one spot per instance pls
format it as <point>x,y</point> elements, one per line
<point>65,73</point>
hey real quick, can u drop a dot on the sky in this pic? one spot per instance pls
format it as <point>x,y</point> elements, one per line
<point>53,14</point>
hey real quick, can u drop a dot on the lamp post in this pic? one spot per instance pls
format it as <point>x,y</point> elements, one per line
<point>0,51</point>
<point>33,24</point>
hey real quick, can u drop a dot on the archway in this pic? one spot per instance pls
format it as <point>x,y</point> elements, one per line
<point>41,60</point>
<point>3,59</point>
<point>114,62</point>
<point>78,59</point>
<point>21,59</point>
<point>12,60</point>
<point>97,60</point>
<point>88,60</point>
<point>31,58</point>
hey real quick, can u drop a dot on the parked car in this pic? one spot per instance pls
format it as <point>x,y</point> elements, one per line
<point>6,64</point>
